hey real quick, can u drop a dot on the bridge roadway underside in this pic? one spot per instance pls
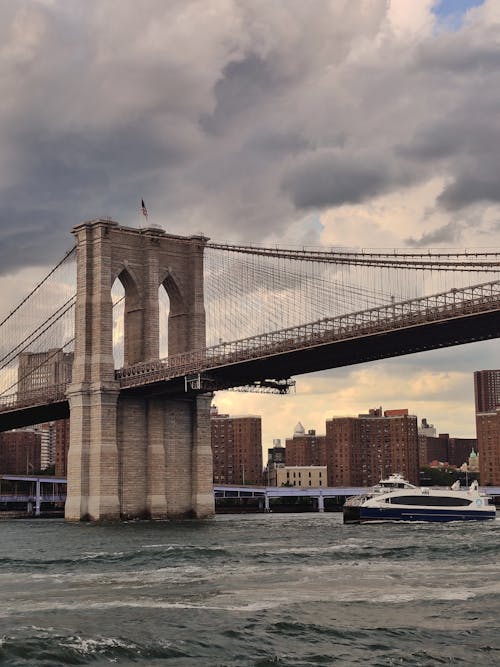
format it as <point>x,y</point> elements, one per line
<point>37,414</point>
<point>282,365</point>
<point>408,340</point>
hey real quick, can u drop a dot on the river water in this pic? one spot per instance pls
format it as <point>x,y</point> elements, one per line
<point>249,591</point>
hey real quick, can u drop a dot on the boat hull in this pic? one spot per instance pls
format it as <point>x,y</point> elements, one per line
<point>367,514</point>
<point>352,514</point>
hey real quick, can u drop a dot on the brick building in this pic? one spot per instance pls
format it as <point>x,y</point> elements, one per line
<point>20,452</point>
<point>236,448</point>
<point>360,450</point>
<point>488,443</point>
<point>62,446</point>
<point>487,390</point>
<point>304,449</point>
<point>487,397</point>
<point>455,451</point>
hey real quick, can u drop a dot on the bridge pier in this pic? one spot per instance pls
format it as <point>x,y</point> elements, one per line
<point>92,455</point>
<point>164,454</point>
<point>136,455</point>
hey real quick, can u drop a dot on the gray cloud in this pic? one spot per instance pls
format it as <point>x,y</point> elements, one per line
<point>448,54</point>
<point>332,179</point>
<point>245,85</point>
<point>469,189</point>
<point>447,234</point>
<point>233,118</point>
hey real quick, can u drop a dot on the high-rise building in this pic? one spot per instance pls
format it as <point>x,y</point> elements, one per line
<point>236,448</point>
<point>459,450</point>
<point>304,449</point>
<point>20,452</point>
<point>43,369</point>
<point>487,395</point>
<point>487,390</point>
<point>62,446</point>
<point>432,449</point>
<point>426,443</point>
<point>454,451</point>
<point>47,433</point>
<point>360,450</point>
<point>488,445</point>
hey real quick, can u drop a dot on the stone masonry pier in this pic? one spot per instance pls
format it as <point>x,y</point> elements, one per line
<point>136,456</point>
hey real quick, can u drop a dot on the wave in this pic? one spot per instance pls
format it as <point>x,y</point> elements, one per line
<point>60,650</point>
<point>377,552</point>
<point>180,554</point>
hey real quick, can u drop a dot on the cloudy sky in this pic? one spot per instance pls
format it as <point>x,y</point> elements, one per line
<point>369,123</point>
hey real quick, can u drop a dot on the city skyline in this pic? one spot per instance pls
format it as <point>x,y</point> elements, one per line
<point>280,414</point>
<point>361,124</point>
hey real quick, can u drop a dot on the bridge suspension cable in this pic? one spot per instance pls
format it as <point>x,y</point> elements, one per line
<point>41,323</point>
<point>37,333</point>
<point>250,289</point>
<point>31,338</point>
<point>68,255</point>
<point>437,261</point>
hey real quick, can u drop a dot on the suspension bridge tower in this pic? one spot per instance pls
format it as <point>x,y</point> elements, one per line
<point>141,455</point>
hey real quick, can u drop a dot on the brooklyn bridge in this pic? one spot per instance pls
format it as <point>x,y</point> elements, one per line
<point>133,330</point>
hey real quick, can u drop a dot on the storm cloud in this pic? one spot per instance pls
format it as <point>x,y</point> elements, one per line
<point>242,120</point>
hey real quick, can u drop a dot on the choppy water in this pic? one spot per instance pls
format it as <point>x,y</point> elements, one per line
<point>249,591</point>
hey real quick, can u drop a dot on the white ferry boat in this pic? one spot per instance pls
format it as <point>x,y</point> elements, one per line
<point>395,499</point>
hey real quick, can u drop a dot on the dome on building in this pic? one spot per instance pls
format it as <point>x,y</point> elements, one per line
<point>299,430</point>
<point>473,461</point>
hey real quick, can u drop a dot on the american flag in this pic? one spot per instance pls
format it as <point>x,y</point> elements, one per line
<point>144,209</point>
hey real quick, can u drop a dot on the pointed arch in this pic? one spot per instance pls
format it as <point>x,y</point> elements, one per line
<point>133,317</point>
<point>173,288</point>
<point>178,316</point>
<point>118,300</point>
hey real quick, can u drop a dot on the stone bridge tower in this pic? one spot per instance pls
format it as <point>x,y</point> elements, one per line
<point>142,455</point>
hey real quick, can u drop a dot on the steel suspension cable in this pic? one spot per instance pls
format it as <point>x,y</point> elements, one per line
<point>38,285</point>
<point>401,260</point>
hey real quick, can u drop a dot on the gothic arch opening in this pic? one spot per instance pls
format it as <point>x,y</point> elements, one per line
<point>127,321</point>
<point>118,300</point>
<point>172,322</point>
<point>164,312</point>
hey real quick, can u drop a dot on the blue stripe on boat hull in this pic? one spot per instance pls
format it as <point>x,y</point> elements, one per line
<point>421,514</point>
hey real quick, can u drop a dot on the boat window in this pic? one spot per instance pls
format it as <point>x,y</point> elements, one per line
<point>431,501</point>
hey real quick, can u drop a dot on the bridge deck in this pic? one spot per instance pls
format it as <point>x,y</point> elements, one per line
<point>441,320</point>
